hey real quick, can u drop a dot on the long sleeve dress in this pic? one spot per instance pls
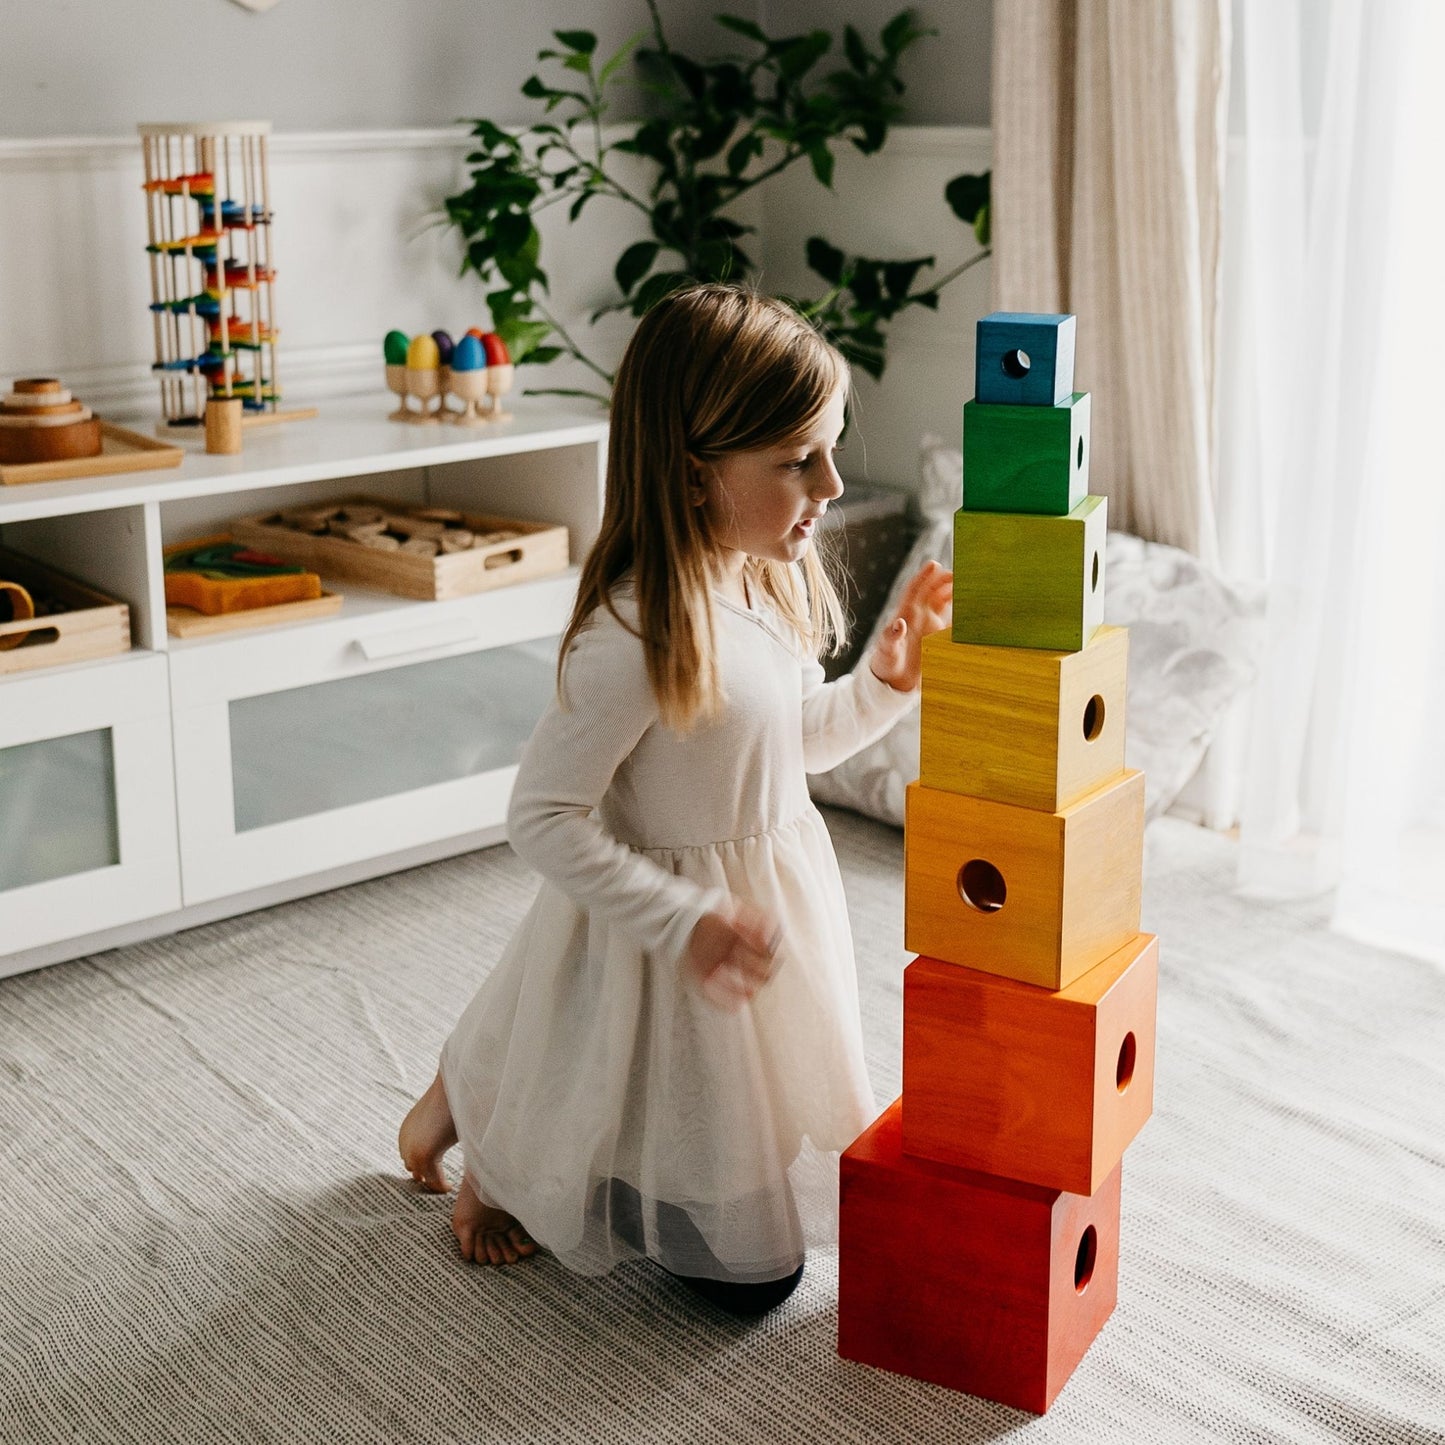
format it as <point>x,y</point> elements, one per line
<point>597,1095</point>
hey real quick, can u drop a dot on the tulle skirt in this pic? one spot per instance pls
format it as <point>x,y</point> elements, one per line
<point>616,1113</point>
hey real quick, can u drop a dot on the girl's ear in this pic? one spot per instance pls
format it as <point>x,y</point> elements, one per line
<point>697,480</point>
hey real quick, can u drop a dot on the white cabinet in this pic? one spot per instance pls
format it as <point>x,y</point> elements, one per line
<point>181,783</point>
<point>87,802</point>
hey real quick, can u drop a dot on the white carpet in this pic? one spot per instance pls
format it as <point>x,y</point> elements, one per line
<point>204,1236</point>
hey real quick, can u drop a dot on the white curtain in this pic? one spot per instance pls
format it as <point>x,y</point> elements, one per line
<point>1107,186</point>
<point>1332,483</point>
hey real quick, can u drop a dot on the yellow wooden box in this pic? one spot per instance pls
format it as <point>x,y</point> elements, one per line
<point>1021,725</point>
<point>1040,897</point>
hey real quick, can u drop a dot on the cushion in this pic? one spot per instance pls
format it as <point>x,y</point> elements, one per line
<point>1194,642</point>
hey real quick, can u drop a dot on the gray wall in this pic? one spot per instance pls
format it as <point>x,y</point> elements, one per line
<point>96,67</point>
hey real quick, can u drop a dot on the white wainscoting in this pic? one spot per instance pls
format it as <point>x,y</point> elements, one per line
<point>356,256</point>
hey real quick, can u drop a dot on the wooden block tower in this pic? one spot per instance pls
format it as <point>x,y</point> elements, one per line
<point>979,1224</point>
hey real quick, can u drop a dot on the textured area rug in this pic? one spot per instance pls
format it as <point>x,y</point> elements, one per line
<point>205,1237</point>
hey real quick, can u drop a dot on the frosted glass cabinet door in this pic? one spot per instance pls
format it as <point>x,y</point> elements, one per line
<point>297,781</point>
<point>57,808</point>
<point>87,801</point>
<point>311,749</point>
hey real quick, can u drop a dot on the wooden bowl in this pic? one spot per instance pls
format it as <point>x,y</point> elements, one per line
<point>50,443</point>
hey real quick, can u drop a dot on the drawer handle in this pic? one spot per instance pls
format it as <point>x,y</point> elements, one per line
<point>416,639</point>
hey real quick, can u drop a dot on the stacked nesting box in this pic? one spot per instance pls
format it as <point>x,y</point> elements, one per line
<point>979,1228</point>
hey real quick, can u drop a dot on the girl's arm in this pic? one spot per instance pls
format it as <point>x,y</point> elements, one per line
<point>566,768</point>
<point>841,717</point>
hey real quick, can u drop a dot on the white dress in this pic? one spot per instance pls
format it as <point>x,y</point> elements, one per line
<point>597,1095</point>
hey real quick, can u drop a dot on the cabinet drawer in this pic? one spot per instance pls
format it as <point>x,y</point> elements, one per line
<point>390,754</point>
<point>373,632</point>
<point>87,800</point>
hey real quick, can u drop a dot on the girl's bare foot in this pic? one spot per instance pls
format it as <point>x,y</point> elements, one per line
<point>487,1235</point>
<point>426,1134</point>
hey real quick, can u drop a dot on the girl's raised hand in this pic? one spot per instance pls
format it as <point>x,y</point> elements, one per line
<point>732,953</point>
<point>924,607</point>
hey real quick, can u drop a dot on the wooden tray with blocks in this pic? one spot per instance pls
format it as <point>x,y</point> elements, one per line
<point>73,622</point>
<point>430,553</point>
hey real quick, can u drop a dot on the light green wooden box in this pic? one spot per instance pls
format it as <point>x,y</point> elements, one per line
<point>1021,580</point>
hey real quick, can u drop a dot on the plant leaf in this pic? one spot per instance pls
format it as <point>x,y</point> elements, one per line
<point>581,40</point>
<point>739,26</point>
<point>634,263</point>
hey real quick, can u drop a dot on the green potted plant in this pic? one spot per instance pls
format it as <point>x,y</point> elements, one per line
<point>716,130</point>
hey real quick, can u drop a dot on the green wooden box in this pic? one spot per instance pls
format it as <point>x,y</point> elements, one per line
<point>1022,580</point>
<point>1026,458</point>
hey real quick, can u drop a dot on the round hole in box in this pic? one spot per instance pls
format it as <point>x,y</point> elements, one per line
<point>1016,364</point>
<point>981,886</point>
<point>1093,718</point>
<point>1094,580</point>
<point>1124,1070</point>
<point>1084,1260</point>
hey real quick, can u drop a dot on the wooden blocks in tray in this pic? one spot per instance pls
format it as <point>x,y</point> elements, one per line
<point>1040,897</point>
<point>1023,725</point>
<point>73,622</point>
<point>1013,1080</point>
<point>423,552</point>
<point>970,1281</point>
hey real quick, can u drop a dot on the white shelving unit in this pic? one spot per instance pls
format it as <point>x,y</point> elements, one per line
<point>187,780</point>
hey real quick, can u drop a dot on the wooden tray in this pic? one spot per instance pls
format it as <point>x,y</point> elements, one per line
<point>187,622</point>
<point>121,450</point>
<point>96,625</point>
<point>539,549</point>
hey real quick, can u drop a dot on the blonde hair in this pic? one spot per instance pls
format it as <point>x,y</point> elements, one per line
<point>710,370</point>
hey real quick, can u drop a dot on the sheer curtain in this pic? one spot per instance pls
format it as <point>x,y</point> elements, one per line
<point>1332,481</point>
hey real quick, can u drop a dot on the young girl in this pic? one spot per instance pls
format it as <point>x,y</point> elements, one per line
<point>678,1012</point>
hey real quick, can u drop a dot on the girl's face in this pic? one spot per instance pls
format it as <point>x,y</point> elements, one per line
<point>767,503</point>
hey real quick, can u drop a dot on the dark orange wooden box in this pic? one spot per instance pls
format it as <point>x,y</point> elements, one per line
<point>1013,1080</point>
<point>980,1284</point>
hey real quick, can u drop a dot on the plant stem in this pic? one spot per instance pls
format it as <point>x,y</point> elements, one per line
<point>570,344</point>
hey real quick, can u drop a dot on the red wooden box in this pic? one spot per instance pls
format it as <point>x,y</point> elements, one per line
<point>969,1281</point>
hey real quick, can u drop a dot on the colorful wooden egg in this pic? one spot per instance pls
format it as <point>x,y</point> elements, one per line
<point>496,348</point>
<point>395,347</point>
<point>469,354</point>
<point>445,346</point>
<point>422,354</point>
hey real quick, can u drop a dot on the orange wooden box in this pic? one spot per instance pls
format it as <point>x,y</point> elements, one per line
<point>1023,725</point>
<point>980,1284</point>
<point>1047,1088</point>
<point>1040,897</point>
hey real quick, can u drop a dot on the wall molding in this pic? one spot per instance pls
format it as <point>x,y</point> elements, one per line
<point>123,152</point>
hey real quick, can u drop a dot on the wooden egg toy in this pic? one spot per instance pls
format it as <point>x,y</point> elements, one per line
<point>423,378</point>
<point>499,373</point>
<point>395,347</point>
<point>469,380</point>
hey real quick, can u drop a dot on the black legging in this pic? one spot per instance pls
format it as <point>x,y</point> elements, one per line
<point>744,1300</point>
<point>736,1297</point>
